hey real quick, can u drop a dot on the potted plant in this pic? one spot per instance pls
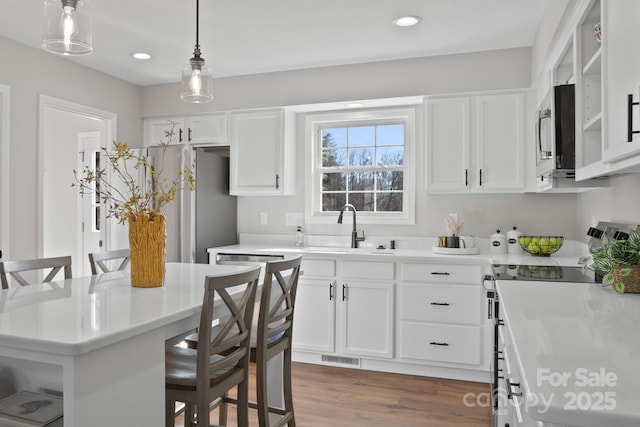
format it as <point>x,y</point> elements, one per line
<point>138,204</point>
<point>620,261</point>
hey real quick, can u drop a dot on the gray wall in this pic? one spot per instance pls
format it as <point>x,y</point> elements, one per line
<point>30,72</point>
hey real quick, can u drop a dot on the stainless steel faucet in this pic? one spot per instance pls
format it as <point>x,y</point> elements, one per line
<point>354,234</point>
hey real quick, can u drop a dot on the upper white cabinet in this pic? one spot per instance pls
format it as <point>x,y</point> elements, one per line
<point>205,129</point>
<point>448,138</point>
<point>262,152</point>
<point>476,143</point>
<point>589,89</point>
<point>621,32</point>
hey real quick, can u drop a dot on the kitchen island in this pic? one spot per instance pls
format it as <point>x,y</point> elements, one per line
<point>101,342</point>
<point>574,353</point>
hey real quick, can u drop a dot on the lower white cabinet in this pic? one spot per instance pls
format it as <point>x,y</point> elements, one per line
<point>441,314</point>
<point>338,315</point>
<point>367,310</point>
<point>392,315</point>
<point>314,324</point>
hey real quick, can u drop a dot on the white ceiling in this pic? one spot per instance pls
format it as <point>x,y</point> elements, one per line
<point>240,37</point>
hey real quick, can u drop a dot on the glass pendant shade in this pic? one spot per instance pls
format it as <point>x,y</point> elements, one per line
<point>197,81</point>
<point>67,27</point>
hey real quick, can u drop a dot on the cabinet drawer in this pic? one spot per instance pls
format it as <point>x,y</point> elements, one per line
<point>444,343</point>
<point>441,303</point>
<point>441,273</point>
<point>368,270</point>
<point>318,267</point>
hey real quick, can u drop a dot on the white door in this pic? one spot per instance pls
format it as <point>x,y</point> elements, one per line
<point>92,216</point>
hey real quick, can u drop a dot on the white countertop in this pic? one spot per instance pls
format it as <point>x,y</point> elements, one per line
<point>585,333</point>
<point>75,316</point>
<point>565,257</point>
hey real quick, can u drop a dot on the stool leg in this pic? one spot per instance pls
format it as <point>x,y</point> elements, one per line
<point>261,392</point>
<point>222,408</point>
<point>170,413</point>
<point>288,392</point>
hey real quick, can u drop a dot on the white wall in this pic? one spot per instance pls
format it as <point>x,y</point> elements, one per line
<point>30,72</point>
<point>503,69</point>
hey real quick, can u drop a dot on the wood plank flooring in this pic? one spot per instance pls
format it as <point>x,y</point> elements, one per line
<point>341,397</point>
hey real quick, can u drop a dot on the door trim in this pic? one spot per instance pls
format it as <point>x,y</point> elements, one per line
<point>5,152</point>
<point>49,103</point>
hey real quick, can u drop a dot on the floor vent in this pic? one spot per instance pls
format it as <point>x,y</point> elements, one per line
<point>351,361</point>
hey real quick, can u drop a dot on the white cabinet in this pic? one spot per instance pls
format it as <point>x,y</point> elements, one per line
<point>367,308</point>
<point>205,129</point>
<point>354,318</point>
<point>314,325</point>
<point>476,143</point>
<point>441,319</point>
<point>448,145</point>
<point>262,152</point>
<point>621,33</point>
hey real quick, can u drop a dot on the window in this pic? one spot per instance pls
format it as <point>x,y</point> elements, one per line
<point>361,158</point>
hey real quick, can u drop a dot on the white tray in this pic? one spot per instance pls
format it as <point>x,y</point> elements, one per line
<point>455,251</point>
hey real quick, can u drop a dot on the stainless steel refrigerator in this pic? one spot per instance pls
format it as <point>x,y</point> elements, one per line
<point>216,211</point>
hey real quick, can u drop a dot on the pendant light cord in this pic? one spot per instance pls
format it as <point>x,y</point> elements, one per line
<point>197,23</point>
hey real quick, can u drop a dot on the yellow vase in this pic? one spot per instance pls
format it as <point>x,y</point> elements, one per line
<point>147,241</point>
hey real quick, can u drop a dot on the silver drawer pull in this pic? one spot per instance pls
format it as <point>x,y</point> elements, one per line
<point>440,273</point>
<point>446,304</point>
<point>510,392</point>
<point>443,344</point>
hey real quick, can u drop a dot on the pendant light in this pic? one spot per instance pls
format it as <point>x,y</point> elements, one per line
<point>67,27</point>
<point>197,79</point>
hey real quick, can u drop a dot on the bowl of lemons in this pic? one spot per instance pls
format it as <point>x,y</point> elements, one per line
<point>541,245</point>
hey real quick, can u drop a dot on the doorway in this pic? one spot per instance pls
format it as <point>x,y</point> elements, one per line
<point>60,216</point>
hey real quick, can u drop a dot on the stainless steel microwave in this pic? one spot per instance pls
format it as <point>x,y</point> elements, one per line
<point>556,133</point>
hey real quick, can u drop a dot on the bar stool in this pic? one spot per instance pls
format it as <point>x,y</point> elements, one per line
<point>14,268</point>
<point>220,362</point>
<point>97,260</point>
<point>273,337</point>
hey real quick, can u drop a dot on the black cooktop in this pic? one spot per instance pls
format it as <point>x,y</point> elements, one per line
<point>545,273</point>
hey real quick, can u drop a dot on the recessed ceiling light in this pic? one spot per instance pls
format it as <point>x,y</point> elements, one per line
<point>406,21</point>
<point>354,105</point>
<point>141,55</point>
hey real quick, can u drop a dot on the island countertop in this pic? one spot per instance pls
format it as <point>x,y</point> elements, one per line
<point>578,348</point>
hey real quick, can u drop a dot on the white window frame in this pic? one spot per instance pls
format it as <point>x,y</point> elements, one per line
<point>313,156</point>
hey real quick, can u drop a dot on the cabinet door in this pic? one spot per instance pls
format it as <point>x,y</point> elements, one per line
<point>621,33</point>
<point>500,137</point>
<point>256,152</point>
<point>155,130</point>
<point>314,318</point>
<point>367,314</point>
<point>207,129</point>
<point>448,144</point>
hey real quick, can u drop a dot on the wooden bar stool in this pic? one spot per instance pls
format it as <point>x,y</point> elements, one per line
<point>12,269</point>
<point>220,361</point>
<point>98,259</point>
<point>273,337</point>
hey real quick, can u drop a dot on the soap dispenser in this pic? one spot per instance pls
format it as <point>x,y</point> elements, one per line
<point>299,238</point>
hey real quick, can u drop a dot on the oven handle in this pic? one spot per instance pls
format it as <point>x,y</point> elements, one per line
<point>511,395</point>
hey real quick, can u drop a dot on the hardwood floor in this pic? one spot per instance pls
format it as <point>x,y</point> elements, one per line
<point>341,397</point>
